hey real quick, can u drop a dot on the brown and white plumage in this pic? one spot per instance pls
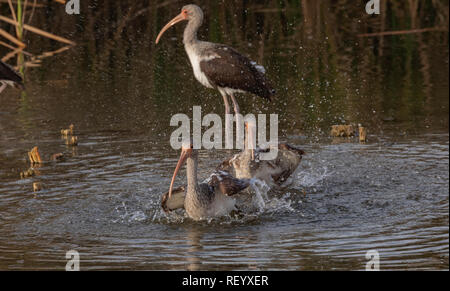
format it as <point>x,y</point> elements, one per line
<point>219,66</point>
<point>8,76</point>
<point>274,172</point>
<point>248,163</point>
<point>232,71</point>
<point>233,175</point>
<point>202,200</point>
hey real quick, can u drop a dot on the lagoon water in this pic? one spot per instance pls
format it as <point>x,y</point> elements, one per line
<point>390,194</point>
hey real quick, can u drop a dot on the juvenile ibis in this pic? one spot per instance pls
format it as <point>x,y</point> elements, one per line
<point>209,199</point>
<point>219,66</point>
<point>239,169</point>
<point>9,77</point>
<point>247,163</point>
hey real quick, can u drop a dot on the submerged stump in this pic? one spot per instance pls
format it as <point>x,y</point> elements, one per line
<point>27,174</point>
<point>362,134</point>
<point>37,186</point>
<point>57,157</point>
<point>34,156</point>
<point>67,132</point>
<point>72,141</point>
<point>342,131</point>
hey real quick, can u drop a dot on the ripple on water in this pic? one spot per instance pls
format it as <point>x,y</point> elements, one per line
<point>343,200</point>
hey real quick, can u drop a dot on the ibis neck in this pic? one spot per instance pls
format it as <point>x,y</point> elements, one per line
<point>191,172</point>
<point>190,33</point>
<point>247,148</point>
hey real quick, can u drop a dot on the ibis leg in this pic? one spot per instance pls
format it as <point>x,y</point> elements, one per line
<point>235,104</point>
<point>227,105</point>
<point>2,87</point>
<point>240,134</point>
<point>228,122</point>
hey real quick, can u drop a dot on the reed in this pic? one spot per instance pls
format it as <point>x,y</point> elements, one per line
<point>18,11</point>
<point>20,59</point>
<point>19,19</point>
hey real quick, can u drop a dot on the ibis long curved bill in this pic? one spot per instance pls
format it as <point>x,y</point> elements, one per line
<point>182,16</point>
<point>185,153</point>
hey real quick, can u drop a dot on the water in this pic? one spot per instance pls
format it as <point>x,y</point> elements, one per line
<point>103,201</point>
<point>389,194</point>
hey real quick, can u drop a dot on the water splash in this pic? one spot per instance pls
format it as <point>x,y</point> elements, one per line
<point>126,216</point>
<point>260,194</point>
<point>252,204</point>
<point>311,177</point>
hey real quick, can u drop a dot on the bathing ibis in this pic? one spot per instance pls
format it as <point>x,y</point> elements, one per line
<point>247,163</point>
<point>209,199</point>
<point>244,166</point>
<point>219,66</point>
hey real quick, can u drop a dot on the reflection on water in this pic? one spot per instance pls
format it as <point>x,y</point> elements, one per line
<point>390,194</point>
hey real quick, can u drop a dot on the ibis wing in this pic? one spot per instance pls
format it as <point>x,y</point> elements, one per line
<point>227,184</point>
<point>8,74</point>
<point>176,201</point>
<point>232,70</point>
<point>287,147</point>
<point>287,162</point>
<point>226,166</point>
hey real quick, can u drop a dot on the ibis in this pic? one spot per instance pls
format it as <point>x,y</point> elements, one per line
<point>219,66</point>
<point>212,198</point>
<point>235,172</point>
<point>248,164</point>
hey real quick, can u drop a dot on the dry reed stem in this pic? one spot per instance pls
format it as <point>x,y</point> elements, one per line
<point>52,53</point>
<point>15,2</point>
<point>7,45</point>
<point>38,31</point>
<point>32,11</point>
<point>11,38</point>
<point>13,48</point>
<point>13,13</point>
<point>31,65</point>
<point>11,55</point>
<point>24,13</point>
<point>399,32</point>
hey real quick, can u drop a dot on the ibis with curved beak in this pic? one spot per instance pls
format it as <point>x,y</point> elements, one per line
<point>8,76</point>
<point>236,171</point>
<point>219,66</point>
<point>209,199</point>
<point>247,164</point>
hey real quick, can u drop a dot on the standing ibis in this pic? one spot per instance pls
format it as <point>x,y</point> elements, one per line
<point>209,199</point>
<point>219,66</point>
<point>9,77</point>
